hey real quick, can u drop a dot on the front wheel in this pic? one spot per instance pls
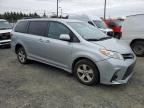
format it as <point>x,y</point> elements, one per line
<point>86,72</point>
<point>138,48</point>
<point>21,55</point>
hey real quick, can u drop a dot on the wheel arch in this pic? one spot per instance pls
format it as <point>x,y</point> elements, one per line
<point>81,58</point>
<point>134,40</point>
<point>18,46</point>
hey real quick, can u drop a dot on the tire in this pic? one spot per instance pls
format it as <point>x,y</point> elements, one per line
<point>22,56</point>
<point>86,72</point>
<point>138,48</point>
<point>117,37</point>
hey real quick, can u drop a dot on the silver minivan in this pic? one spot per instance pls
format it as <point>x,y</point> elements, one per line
<point>76,47</point>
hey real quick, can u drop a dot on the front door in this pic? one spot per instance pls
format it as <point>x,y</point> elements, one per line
<point>57,51</point>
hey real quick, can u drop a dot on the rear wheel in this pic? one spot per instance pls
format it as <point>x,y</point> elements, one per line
<point>21,55</point>
<point>138,48</point>
<point>86,72</point>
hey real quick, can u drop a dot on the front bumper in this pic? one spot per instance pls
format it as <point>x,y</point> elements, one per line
<point>5,42</point>
<point>114,71</point>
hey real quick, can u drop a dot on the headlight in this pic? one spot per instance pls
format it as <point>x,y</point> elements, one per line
<point>111,54</point>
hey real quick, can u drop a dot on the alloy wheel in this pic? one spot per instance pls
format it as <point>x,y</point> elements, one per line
<point>85,73</point>
<point>21,56</point>
<point>138,49</point>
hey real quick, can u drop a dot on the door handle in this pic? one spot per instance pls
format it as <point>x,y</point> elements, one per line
<point>40,40</point>
<point>47,41</point>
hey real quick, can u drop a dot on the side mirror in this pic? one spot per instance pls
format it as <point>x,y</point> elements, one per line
<point>64,37</point>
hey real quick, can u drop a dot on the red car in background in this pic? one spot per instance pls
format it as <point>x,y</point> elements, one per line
<point>115,25</point>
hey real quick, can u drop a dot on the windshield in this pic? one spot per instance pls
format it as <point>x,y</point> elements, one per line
<point>5,25</point>
<point>87,31</point>
<point>100,24</point>
<point>116,23</point>
<point>119,23</point>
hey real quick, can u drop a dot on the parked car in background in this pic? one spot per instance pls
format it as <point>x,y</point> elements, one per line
<point>5,29</point>
<point>133,33</point>
<point>95,21</point>
<point>76,47</point>
<point>115,25</point>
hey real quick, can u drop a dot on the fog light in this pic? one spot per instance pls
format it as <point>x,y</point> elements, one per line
<point>115,76</point>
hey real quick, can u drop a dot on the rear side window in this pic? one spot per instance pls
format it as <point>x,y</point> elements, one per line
<point>39,28</point>
<point>21,27</point>
<point>56,29</point>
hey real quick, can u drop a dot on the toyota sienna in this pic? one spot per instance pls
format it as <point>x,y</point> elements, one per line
<point>76,47</point>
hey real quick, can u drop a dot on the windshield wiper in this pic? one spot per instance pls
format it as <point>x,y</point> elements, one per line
<point>104,38</point>
<point>101,39</point>
<point>92,39</point>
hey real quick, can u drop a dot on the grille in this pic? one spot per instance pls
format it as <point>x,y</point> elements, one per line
<point>128,56</point>
<point>110,33</point>
<point>129,71</point>
<point>4,36</point>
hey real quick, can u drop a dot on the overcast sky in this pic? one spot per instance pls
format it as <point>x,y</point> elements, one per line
<point>95,7</point>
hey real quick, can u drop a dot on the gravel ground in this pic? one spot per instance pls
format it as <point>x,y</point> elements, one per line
<point>37,85</point>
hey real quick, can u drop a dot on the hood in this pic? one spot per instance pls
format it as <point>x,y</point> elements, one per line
<point>5,31</point>
<point>106,30</point>
<point>115,45</point>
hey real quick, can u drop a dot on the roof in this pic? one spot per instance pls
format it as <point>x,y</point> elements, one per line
<point>51,19</point>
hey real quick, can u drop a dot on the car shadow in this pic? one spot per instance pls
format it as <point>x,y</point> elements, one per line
<point>5,47</point>
<point>50,68</point>
<point>61,72</point>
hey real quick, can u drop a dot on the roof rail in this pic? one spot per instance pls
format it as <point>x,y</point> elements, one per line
<point>31,17</point>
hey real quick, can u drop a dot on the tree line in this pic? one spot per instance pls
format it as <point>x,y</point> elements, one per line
<point>14,16</point>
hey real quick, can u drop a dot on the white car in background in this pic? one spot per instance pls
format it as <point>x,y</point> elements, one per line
<point>95,21</point>
<point>133,33</point>
<point>5,29</point>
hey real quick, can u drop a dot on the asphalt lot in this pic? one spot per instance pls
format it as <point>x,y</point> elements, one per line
<point>37,85</point>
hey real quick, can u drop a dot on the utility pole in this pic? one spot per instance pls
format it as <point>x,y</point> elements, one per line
<point>57,8</point>
<point>105,9</point>
<point>44,14</point>
<point>61,11</point>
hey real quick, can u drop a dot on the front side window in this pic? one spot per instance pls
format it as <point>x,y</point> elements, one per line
<point>56,29</point>
<point>5,25</point>
<point>87,31</point>
<point>39,28</point>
